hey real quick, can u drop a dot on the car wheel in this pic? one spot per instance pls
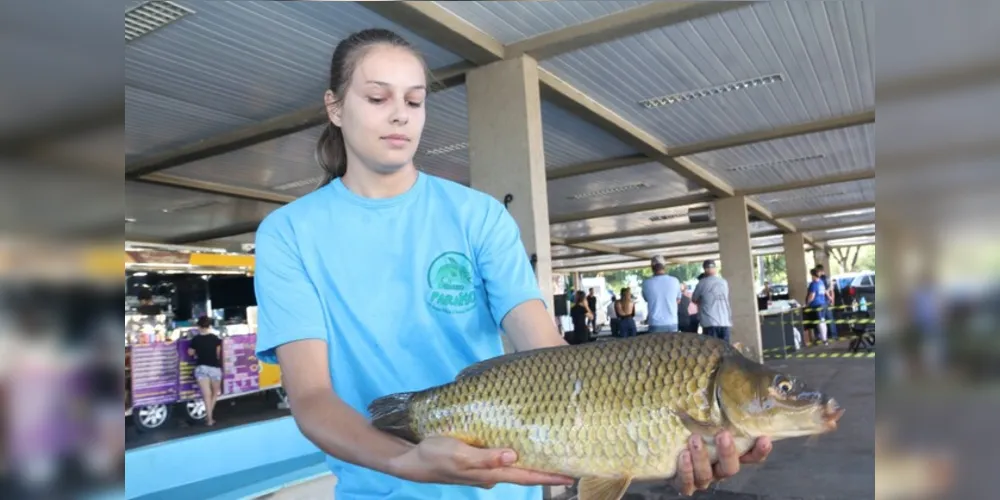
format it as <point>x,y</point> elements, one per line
<point>151,417</point>
<point>195,411</point>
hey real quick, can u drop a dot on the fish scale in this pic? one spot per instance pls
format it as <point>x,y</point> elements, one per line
<point>610,412</point>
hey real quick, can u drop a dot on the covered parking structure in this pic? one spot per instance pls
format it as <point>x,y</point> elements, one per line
<point>615,130</point>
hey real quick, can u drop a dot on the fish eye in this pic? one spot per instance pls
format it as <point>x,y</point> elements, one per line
<point>785,386</point>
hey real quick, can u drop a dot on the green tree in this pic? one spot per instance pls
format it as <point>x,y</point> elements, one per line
<point>853,258</point>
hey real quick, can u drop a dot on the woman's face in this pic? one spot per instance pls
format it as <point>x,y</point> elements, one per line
<point>382,114</point>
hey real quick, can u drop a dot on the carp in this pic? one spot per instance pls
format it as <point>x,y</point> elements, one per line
<point>611,412</point>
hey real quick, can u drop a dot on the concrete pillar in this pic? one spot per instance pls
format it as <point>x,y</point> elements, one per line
<point>737,267</point>
<point>821,255</point>
<point>795,265</point>
<point>506,152</point>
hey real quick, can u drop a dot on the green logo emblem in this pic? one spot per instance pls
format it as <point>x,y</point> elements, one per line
<point>450,278</point>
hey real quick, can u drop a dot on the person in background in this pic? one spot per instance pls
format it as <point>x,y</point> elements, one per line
<point>712,297</point>
<point>828,312</point>
<point>816,302</point>
<point>613,316</point>
<point>625,309</point>
<point>146,305</point>
<point>581,319</point>
<point>592,306</point>
<point>662,294</point>
<point>683,310</point>
<point>206,349</point>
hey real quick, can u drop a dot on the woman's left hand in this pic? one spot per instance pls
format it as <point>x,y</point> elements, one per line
<point>695,471</point>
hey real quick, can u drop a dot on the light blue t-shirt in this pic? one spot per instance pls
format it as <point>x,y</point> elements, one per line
<point>661,293</point>
<point>407,291</point>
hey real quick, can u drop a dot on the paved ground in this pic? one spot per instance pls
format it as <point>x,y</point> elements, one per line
<point>228,413</point>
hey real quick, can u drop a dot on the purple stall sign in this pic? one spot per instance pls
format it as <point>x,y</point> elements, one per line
<point>155,371</point>
<point>188,385</point>
<point>239,364</point>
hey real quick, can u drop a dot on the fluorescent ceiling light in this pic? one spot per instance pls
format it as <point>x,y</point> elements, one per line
<point>446,149</point>
<point>656,102</point>
<point>775,163</point>
<point>288,186</point>
<point>849,213</point>
<point>851,228</point>
<point>610,190</point>
<point>151,16</point>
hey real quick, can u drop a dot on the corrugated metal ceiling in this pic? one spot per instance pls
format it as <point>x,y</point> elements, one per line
<point>824,50</point>
<point>510,22</point>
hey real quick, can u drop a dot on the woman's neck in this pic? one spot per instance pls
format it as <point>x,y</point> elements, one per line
<point>364,182</point>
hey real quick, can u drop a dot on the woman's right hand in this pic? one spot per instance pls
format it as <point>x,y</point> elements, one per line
<point>444,460</point>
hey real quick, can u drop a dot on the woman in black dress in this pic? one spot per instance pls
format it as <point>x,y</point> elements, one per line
<point>580,313</point>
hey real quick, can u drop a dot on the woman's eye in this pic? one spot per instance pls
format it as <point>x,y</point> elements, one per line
<point>376,100</point>
<point>415,104</point>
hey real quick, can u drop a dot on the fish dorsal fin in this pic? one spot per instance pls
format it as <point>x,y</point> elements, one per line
<point>485,365</point>
<point>602,488</point>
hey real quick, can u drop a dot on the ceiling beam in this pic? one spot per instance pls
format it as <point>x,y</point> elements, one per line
<point>859,175</point>
<point>213,234</point>
<point>825,210</point>
<point>173,181</point>
<point>442,28</point>
<point>611,27</point>
<point>597,248</point>
<point>681,201</point>
<point>591,167</point>
<point>827,125</point>
<point>647,231</point>
<point>256,133</point>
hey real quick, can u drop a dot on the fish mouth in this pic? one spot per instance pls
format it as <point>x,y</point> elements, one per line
<point>832,412</point>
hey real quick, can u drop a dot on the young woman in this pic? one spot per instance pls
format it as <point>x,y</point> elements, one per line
<point>446,270</point>
<point>580,312</point>
<point>625,308</point>
<point>206,349</point>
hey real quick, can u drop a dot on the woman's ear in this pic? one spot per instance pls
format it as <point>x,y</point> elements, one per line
<point>332,107</point>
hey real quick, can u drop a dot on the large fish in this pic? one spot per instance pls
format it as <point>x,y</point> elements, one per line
<point>611,412</point>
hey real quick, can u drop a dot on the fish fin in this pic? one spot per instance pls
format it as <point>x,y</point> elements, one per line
<point>602,488</point>
<point>392,414</point>
<point>704,429</point>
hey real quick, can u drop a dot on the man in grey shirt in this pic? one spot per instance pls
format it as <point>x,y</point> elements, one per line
<point>712,297</point>
<point>662,293</point>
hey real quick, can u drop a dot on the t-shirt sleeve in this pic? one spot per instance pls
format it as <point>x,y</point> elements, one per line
<point>696,294</point>
<point>288,306</point>
<point>503,263</point>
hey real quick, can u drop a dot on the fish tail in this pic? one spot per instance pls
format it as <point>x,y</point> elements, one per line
<point>392,414</point>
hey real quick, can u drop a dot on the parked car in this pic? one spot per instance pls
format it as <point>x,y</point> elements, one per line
<point>853,286</point>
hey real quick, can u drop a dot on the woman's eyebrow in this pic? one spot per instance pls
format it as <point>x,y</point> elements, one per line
<point>385,84</point>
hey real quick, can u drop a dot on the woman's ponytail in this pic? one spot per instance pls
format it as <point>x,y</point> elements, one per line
<point>331,154</point>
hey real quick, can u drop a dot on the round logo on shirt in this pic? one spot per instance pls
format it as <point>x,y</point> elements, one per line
<point>450,278</point>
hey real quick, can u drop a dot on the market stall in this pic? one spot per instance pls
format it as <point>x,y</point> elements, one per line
<point>177,284</point>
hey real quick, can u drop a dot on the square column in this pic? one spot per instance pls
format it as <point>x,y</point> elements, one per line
<point>821,254</point>
<point>795,264</point>
<point>506,152</point>
<point>731,218</point>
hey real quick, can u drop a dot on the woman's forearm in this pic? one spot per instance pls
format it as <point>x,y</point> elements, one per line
<point>340,431</point>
